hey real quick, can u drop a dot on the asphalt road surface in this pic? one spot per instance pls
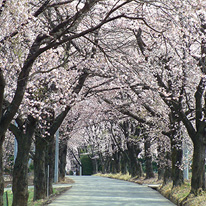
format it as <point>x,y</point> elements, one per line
<point>100,191</point>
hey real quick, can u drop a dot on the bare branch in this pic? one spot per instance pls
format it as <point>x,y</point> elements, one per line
<point>129,113</point>
<point>60,3</point>
<point>41,9</point>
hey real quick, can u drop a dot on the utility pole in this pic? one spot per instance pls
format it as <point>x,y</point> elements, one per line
<point>186,164</point>
<point>15,145</point>
<point>15,149</point>
<point>80,170</point>
<point>56,168</point>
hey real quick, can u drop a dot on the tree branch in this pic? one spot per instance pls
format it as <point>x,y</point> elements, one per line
<point>60,118</point>
<point>70,21</point>
<point>42,8</point>
<point>75,157</point>
<point>129,113</point>
<point>160,81</point>
<point>60,3</point>
<point>21,85</point>
<point>15,130</point>
<point>188,124</point>
<point>198,99</point>
<point>145,105</point>
<point>31,125</point>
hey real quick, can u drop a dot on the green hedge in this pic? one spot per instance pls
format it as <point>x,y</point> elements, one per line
<point>87,168</point>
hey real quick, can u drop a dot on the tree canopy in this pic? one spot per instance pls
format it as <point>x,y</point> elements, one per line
<point>110,74</point>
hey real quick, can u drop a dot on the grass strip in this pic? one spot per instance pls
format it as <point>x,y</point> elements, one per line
<point>56,193</point>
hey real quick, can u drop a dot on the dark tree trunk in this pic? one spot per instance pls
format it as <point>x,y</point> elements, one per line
<point>102,162</point>
<point>160,172</point>
<point>133,149</point>
<point>43,160</point>
<point>148,158</point>
<point>1,171</point>
<point>198,136</point>
<point>177,154</point>
<point>198,167</point>
<point>199,141</point>
<point>40,181</point>
<point>176,149</point>
<point>161,158</point>
<point>116,162</point>
<point>108,168</point>
<point>20,172</point>
<point>135,167</point>
<point>113,168</point>
<point>168,168</point>
<point>62,161</point>
<point>95,165</point>
<point>50,160</point>
<point>123,163</point>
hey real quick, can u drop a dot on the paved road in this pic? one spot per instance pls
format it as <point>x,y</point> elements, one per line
<point>100,191</point>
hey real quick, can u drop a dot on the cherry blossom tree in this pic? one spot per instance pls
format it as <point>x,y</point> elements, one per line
<point>140,57</point>
<point>172,64</point>
<point>31,47</point>
<point>179,86</point>
<point>38,40</point>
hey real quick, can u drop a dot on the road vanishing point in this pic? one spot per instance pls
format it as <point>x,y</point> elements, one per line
<point>101,191</point>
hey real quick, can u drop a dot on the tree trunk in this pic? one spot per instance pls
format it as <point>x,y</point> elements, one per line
<point>95,165</point>
<point>161,160</point>
<point>123,163</point>
<point>113,168</point>
<point>116,162</point>
<point>20,174</point>
<point>176,149</point>
<point>177,154</point>
<point>148,158</point>
<point>40,181</point>
<point>198,167</point>
<point>102,162</point>
<point>135,167</point>
<point>168,168</point>
<point>62,161</point>
<point>1,171</point>
<point>108,161</point>
<point>50,160</point>
<point>160,172</point>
